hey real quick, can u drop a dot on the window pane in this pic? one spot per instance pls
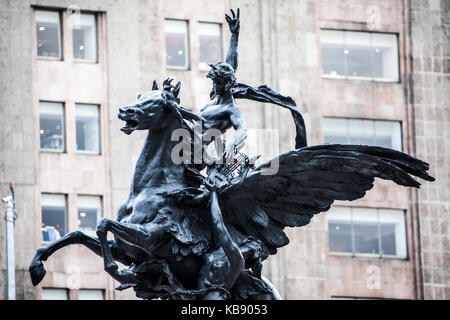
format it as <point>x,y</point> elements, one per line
<point>210,44</point>
<point>89,212</point>
<point>51,120</point>
<point>54,294</point>
<point>361,132</point>
<point>335,130</point>
<point>387,231</point>
<point>53,216</point>
<point>385,56</point>
<point>366,132</point>
<point>388,134</point>
<point>332,49</point>
<point>84,35</point>
<point>365,228</point>
<point>393,233</point>
<point>339,229</point>
<point>48,33</point>
<point>88,128</point>
<point>176,43</point>
<point>91,294</point>
<point>357,51</point>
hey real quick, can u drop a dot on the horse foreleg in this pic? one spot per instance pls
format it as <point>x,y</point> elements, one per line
<point>37,270</point>
<point>132,234</point>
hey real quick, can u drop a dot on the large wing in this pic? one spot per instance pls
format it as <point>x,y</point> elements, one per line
<point>307,182</point>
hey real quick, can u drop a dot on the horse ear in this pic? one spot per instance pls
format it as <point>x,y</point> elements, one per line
<point>166,84</point>
<point>155,85</point>
<point>139,95</point>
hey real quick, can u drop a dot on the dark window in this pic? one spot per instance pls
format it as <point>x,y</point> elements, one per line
<point>84,35</point>
<point>88,127</point>
<point>177,54</point>
<point>89,212</point>
<point>367,231</point>
<point>51,125</point>
<point>53,216</point>
<point>363,55</point>
<point>48,32</point>
<point>210,44</point>
<point>360,131</point>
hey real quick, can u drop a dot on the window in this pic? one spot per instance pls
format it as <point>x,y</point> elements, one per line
<point>87,127</point>
<point>367,230</point>
<point>89,212</point>
<point>53,216</point>
<point>177,54</point>
<point>368,132</point>
<point>48,32</point>
<point>84,35</point>
<point>51,122</point>
<point>210,44</point>
<point>363,55</point>
<point>91,294</point>
<point>54,294</point>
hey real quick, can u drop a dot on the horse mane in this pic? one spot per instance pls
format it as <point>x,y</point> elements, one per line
<point>170,98</point>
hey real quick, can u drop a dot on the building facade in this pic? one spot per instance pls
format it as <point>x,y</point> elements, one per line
<point>361,71</point>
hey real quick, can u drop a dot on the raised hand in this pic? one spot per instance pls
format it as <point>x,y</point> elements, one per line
<point>234,22</point>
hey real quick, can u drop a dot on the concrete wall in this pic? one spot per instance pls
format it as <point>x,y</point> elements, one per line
<point>430,34</point>
<point>17,139</point>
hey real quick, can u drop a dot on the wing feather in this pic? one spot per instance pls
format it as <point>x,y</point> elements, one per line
<point>307,182</point>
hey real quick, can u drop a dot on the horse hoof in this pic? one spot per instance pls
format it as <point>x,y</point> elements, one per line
<point>37,273</point>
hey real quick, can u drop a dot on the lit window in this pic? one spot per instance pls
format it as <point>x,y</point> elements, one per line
<point>84,35</point>
<point>54,294</point>
<point>367,132</point>
<point>177,54</point>
<point>88,127</point>
<point>48,31</point>
<point>89,212</point>
<point>53,216</point>
<point>364,55</point>
<point>91,294</point>
<point>210,44</point>
<point>51,125</point>
<point>367,231</point>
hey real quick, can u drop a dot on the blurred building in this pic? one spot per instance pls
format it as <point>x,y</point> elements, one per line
<point>367,72</point>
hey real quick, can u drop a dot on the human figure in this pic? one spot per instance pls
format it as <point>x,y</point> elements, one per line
<point>222,112</point>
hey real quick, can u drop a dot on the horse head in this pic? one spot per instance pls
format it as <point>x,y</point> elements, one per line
<point>153,110</point>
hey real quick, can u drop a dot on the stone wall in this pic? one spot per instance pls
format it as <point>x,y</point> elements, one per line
<point>430,34</point>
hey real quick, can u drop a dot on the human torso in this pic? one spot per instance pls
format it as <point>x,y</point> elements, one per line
<point>216,116</point>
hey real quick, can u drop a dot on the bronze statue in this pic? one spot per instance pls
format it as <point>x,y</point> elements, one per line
<point>186,235</point>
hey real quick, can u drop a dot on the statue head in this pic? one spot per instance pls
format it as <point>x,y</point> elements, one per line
<point>152,110</point>
<point>222,75</point>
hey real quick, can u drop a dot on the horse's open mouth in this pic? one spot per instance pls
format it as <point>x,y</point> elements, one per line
<point>130,126</point>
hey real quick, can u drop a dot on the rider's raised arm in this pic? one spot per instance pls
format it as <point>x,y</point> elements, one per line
<point>233,23</point>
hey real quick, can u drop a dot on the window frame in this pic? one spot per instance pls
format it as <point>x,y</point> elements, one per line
<point>101,197</point>
<point>66,290</point>
<point>100,144</point>
<point>97,42</point>
<point>64,106</point>
<point>61,33</point>
<point>66,213</point>
<point>356,78</point>
<point>400,122</point>
<point>188,65</point>
<point>220,42</point>
<point>380,255</point>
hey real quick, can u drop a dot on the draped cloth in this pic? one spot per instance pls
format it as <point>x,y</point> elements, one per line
<point>265,94</point>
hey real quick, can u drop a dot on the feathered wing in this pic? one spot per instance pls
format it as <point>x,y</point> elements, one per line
<point>307,182</point>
